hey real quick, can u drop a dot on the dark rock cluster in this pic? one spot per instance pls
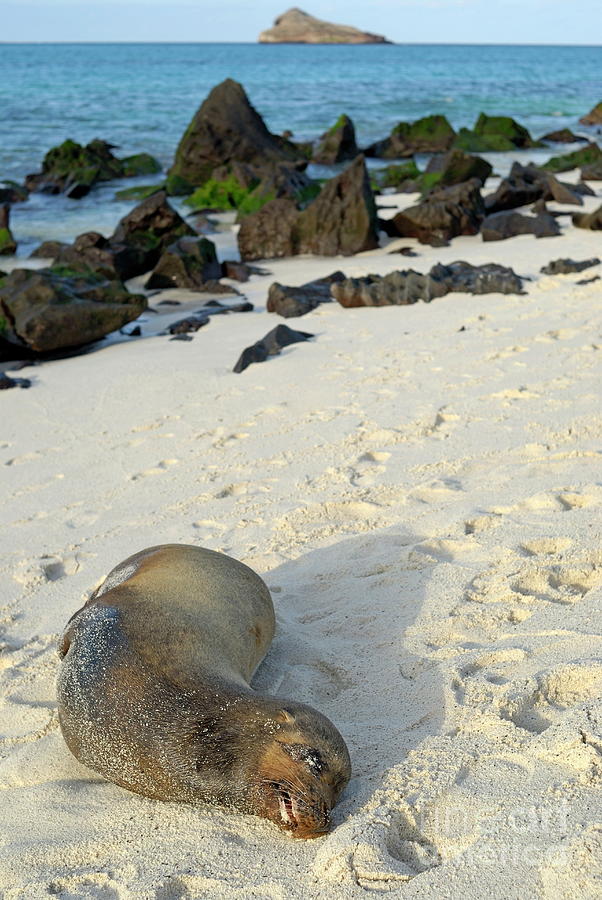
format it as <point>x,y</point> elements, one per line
<point>341,220</point>
<point>228,159</point>
<point>73,169</point>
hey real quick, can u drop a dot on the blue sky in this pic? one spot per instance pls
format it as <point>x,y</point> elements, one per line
<point>404,21</point>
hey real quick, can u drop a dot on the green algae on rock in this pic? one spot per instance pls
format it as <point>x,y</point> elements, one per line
<point>583,157</point>
<point>74,169</point>
<point>494,134</point>
<point>431,134</point>
<point>338,144</point>
<point>341,219</point>
<point>50,309</point>
<point>226,129</point>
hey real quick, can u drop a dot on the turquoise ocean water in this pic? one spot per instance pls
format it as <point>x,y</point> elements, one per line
<point>142,96</point>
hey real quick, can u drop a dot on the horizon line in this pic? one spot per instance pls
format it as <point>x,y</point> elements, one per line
<point>295,43</point>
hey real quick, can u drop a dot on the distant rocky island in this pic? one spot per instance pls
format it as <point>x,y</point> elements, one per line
<point>298,27</point>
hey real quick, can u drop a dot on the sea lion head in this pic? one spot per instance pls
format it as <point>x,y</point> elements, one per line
<point>302,769</point>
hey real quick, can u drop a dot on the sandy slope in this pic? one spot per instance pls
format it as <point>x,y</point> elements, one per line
<point>420,487</point>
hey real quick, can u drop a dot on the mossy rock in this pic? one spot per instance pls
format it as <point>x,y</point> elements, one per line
<point>141,192</point>
<point>255,199</point>
<point>64,271</point>
<point>305,149</point>
<point>504,126</point>
<point>431,134</point>
<point>226,194</point>
<point>225,129</point>
<point>176,186</point>
<point>8,245</point>
<point>494,134</point>
<point>305,196</point>
<point>584,157</point>
<point>11,192</point>
<point>93,160</point>
<point>140,237</point>
<point>187,263</point>
<point>74,169</point>
<point>338,144</point>
<point>482,143</point>
<point>48,310</point>
<point>454,167</point>
<point>431,130</point>
<point>400,176</point>
<point>594,116</point>
<point>140,164</point>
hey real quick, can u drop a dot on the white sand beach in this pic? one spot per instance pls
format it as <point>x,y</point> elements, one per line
<point>420,487</point>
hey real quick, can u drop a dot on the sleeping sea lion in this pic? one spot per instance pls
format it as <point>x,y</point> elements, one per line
<point>154,693</point>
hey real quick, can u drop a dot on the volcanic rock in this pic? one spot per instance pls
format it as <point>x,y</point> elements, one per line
<point>576,160</point>
<point>189,324</point>
<point>337,144</point>
<point>432,134</point>
<point>592,171</point>
<point>489,278</point>
<point>395,289</point>
<point>6,383</point>
<point>73,169</point>
<point>405,287</point>
<point>90,251</point>
<point>48,250</point>
<point>444,214</point>
<point>190,262</point>
<point>298,27</point>
<point>566,266</point>
<point>270,345</point>
<point>593,117</point>
<point>227,129</point>
<point>454,167</point>
<point>8,245</point>
<point>592,220</point>
<point>11,192</point>
<point>141,237</point>
<point>404,177</point>
<point>267,234</point>
<point>502,225</point>
<point>563,136</point>
<point>290,302</point>
<point>494,133</point>
<point>341,220</point>
<point>527,184</point>
<point>46,310</point>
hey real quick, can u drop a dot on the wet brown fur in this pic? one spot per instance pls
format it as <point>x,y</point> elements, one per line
<point>154,693</point>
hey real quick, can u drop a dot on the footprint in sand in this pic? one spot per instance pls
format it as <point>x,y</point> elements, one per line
<point>92,886</point>
<point>25,458</point>
<point>368,467</point>
<point>241,489</point>
<point>536,703</point>
<point>576,500</point>
<point>159,469</point>
<point>546,546</point>
<point>481,523</point>
<point>30,572</point>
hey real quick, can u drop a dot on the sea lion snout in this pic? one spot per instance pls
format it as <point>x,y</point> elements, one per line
<point>303,770</point>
